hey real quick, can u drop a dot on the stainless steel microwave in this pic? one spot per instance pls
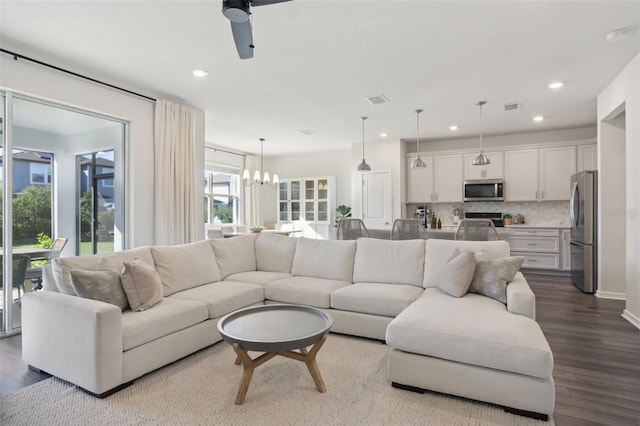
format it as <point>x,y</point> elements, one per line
<point>484,190</point>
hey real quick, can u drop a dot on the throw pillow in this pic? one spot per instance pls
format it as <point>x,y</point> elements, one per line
<point>454,277</point>
<point>104,286</point>
<point>492,275</point>
<point>141,283</point>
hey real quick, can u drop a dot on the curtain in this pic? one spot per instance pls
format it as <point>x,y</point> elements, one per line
<point>249,215</point>
<point>176,184</point>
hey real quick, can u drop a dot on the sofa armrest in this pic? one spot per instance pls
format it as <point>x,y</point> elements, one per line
<point>520,297</point>
<point>78,340</point>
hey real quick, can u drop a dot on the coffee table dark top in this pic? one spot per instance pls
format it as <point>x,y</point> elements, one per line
<point>275,328</point>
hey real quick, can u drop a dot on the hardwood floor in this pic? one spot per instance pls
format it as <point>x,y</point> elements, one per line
<point>596,353</point>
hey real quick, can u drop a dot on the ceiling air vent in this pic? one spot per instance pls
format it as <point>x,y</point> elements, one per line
<point>378,100</point>
<point>513,106</point>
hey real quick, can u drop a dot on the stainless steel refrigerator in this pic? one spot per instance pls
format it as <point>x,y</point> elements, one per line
<point>582,211</point>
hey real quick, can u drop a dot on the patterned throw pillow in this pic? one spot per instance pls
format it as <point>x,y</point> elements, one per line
<point>454,277</point>
<point>99,285</point>
<point>492,275</point>
<point>142,284</point>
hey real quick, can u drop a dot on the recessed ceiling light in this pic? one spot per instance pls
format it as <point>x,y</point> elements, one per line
<point>453,128</point>
<point>556,85</point>
<point>384,135</point>
<point>200,73</point>
<point>538,118</point>
<point>618,34</point>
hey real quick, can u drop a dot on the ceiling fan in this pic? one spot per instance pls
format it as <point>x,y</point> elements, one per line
<point>238,12</point>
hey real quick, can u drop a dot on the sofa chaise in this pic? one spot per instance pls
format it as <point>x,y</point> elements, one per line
<point>472,346</point>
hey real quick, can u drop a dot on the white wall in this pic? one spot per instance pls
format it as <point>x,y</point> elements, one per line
<point>328,163</point>
<point>37,81</point>
<point>624,91</point>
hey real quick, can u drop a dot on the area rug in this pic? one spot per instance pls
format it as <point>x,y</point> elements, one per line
<point>201,389</point>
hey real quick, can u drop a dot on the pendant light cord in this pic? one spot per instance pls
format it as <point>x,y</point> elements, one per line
<point>418,111</point>
<point>481,145</point>
<point>363,118</point>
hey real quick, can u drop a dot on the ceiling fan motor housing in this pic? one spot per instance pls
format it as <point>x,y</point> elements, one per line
<point>236,10</point>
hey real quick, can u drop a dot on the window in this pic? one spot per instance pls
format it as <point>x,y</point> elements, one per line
<point>220,196</point>
<point>40,174</point>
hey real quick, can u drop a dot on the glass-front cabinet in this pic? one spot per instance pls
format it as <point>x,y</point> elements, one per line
<point>305,205</point>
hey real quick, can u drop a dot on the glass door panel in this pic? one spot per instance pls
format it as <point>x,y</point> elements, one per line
<point>323,211</point>
<point>284,191</point>
<point>309,189</point>
<point>284,211</point>
<point>323,189</point>
<point>295,190</point>
<point>295,210</point>
<point>309,211</point>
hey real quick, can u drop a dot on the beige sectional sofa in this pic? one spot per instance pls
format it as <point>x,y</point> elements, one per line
<point>472,346</point>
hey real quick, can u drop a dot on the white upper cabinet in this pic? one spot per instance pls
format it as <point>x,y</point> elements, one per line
<point>447,178</point>
<point>556,167</point>
<point>420,182</point>
<point>539,174</point>
<point>587,157</point>
<point>521,175</point>
<point>490,171</point>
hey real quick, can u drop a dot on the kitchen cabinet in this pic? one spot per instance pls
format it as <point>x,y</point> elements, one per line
<point>309,204</point>
<point>540,247</point>
<point>490,171</point>
<point>447,178</point>
<point>587,157</point>
<point>439,182</point>
<point>420,182</point>
<point>539,174</point>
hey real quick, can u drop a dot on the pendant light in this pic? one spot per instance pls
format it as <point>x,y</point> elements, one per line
<point>481,159</point>
<point>363,167</point>
<point>418,163</point>
<point>260,176</point>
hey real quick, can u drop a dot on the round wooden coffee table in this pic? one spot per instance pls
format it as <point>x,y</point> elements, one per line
<point>275,330</point>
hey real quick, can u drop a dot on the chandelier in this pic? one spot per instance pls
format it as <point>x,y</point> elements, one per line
<point>260,176</point>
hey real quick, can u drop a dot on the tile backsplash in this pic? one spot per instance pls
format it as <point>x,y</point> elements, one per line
<point>537,213</point>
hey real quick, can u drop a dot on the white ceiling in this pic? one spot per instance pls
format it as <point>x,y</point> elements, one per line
<point>316,61</point>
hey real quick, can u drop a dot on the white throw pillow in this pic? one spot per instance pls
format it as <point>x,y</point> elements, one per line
<point>455,276</point>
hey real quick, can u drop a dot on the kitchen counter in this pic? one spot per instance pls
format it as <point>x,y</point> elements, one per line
<point>526,225</point>
<point>447,232</point>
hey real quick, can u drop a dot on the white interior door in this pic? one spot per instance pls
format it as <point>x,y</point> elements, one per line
<point>376,199</point>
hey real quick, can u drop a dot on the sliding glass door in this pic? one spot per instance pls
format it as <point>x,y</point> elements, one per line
<point>45,178</point>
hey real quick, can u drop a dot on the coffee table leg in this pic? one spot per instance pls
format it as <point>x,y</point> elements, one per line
<point>249,366</point>
<point>312,366</point>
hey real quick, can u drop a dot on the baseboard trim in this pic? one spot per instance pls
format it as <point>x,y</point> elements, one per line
<point>633,319</point>
<point>611,295</point>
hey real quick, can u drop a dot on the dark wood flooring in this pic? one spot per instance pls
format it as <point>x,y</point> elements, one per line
<point>596,352</point>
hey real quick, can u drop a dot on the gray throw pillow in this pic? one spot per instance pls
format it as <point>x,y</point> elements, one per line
<point>492,275</point>
<point>99,285</point>
<point>141,283</point>
<point>454,277</point>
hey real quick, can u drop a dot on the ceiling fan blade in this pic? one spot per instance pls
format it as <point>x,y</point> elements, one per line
<point>243,37</point>
<point>266,2</point>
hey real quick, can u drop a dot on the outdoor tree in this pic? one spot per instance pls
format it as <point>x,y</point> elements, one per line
<point>32,213</point>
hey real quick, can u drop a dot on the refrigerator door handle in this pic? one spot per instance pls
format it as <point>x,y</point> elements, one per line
<point>572,202</point>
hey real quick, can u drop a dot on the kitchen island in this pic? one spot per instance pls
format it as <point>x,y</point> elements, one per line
<point>447,232</point>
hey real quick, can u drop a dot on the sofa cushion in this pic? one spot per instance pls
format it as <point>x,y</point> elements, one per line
<point>168,317</point>
<point>142,285</point>
<point>274,253</point>
<point>104,286</point>
<point>303,290</point>
<point>223,297</point>
<point>237,254</point>
<point>390,262</point>
<point>374,298</point>
<point>257,277</point>
<point>437,251</point>
<point>185,266</point>
<point>474,330</point>
<point>457,272</point>
<point>492,275</point>
<point>328,259</point>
